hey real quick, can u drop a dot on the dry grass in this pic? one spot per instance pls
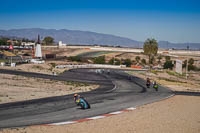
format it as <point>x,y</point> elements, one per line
<point>19,88</point>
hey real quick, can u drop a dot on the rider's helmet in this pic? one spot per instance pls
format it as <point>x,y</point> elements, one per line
<point>75,95</point>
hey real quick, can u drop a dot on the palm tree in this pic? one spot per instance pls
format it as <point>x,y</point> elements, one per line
<point>150,48</point>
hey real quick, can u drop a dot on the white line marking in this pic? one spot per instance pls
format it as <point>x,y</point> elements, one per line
<point>117,112</point>
<point>131,108</point>
<point>113,88</point>
<point>63,123</point>
<point>170,96</point>
<point>96,117</point>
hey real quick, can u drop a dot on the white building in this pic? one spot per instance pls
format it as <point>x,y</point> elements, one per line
<point>60,44</point>
<point>28,43</point>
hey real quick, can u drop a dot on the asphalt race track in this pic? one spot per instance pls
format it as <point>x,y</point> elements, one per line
<point>117,91</point>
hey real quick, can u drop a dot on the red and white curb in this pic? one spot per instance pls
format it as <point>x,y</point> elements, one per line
<point>91,118</point>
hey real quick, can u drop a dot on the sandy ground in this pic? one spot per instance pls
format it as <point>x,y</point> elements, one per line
<point>46,68</point>
<point>66,51</point>
<point>12,87</point>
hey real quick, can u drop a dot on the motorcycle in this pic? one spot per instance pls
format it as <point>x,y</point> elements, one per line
<point>82,103</point>
<point>148,84</point>
<point>155,86</point>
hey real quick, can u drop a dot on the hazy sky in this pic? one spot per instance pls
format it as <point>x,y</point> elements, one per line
<point>171,20</point>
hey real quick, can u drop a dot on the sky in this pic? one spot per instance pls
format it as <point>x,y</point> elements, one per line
<point>168,20</point>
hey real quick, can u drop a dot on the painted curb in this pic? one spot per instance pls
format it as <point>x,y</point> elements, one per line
<point>90,118</point>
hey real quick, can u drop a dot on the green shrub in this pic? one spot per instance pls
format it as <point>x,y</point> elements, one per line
<point>137,58</point>
<point>127,62</point>
<point>111,61</point>
<point>167,58</point>
<point>117,62</point>
<point>53,65</point>
<point>168,65</point>
<point>74,58</point>
<point>99,60</point>
<point>143,61</point>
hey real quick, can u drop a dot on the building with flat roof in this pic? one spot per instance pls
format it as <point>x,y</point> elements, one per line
<point>60,44</point>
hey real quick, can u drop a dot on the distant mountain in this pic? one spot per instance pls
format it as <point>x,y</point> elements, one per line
<point>88,38</point>
<point>72,37</point>
<point>169,45</point>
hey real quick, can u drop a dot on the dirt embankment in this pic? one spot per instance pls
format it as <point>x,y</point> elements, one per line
<point>18,88</point>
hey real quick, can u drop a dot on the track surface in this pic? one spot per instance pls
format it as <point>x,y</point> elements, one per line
<point>117,91</point>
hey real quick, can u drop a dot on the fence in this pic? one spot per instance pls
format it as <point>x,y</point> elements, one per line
<point>90,66</point>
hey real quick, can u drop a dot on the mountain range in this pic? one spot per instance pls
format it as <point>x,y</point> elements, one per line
<point>76,37</point>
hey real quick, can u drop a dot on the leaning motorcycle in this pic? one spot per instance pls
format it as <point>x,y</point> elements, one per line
<point>82,103</point>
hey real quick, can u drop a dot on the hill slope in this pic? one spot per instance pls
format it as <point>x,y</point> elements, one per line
<point>71,36</point>
<point>88,38</point>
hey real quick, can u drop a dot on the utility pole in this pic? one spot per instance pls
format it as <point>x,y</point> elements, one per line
<point>186,71</point>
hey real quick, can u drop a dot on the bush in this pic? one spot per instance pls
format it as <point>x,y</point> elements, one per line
<point>53,65</point>
<point>143,61</point>
<point>111,61</point>
<point>168,65</point>
<point>191,61</point>
<point>99,60</point>
<point>192,67</point>
<point>117,62</point>
<point>127,62</point>
<point>167,58</point>
<point>137,58</point>
<point>74,58</point>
